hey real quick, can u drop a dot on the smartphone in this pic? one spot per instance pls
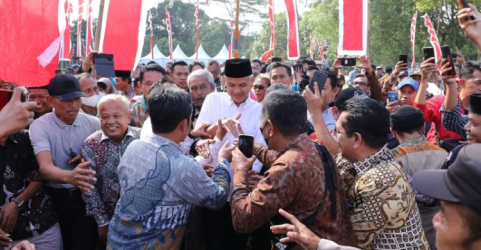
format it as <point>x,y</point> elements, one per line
<point>348,61</point>
<point>104,63</point>
<point>320,78</point>
<point>246,145</point>
<point>276,59</point>
<point>446,51</point>
<point>6,95</point>
<point>403,58</point>
<point>454,56</point>
<point>428,52</point>
<point>392,96</point>
<point>465,4</point>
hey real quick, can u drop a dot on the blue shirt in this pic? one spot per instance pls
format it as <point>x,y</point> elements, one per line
<point>159,182</point>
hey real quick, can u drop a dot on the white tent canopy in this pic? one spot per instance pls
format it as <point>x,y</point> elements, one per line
<point>178,54</point>
<point>202,56</point>
<point>158,57</point>
<point>222,55</point>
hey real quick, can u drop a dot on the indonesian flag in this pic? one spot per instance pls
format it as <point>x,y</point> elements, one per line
<point>151,35</point>
<point>30,37</point>
<point>231,31</point>
<point>321,51</point>
<point>169,30</point>
<point>312,47</point>
<point>293,51</point>
<point>197,26</point>
<point>132,16</point>
<point>66,53</point>
<point>271,20</point>
<point>89,34</point>
<point>413,37</point>
<point>266,55</point>
<point>79,27</point>
<point>433,37</point>
<point>353,26</point>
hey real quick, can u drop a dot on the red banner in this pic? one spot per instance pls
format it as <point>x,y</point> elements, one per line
<point>321,51</point>
<point>79,27</point>
<point>169,30</point>
<point>266,55</point>
<point>433,37</point>
<point>30,37</point>
<point>353,26</point>
<point>89,33</point>
<point>271,20</point>
<point>132,15</point>
<point>413,37</point>
<point>293,51</point>
<point>66,36</point>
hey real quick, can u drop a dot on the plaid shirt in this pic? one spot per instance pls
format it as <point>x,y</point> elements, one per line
<point>454,120</point>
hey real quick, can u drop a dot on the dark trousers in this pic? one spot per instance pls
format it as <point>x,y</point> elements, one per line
<point>194,234</point>
<point>79,232</point>
<point>219,231</point>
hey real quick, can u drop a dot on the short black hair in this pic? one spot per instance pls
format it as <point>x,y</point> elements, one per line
<point>151,67</point>
<point>257,61</point>
<point>166,79</point>
<point>473,222</point>
<point>168,107</point>
<point>194,63</point>
<point>309,61</point>
<point>127,79</point>
<point>214,62</point>
<point>278,64</point>
<point>136,81</point>
<point>368,118</point>
<point>312,67</point>
<point>182,63</point>
<point>334,80</point>
<point>468,69</point>
<point>287,110</point>
<point>276,86</point>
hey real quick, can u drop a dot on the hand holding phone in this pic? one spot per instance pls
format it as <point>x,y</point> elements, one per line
<point>348,61</point>
<point>403,58</point>
<point>428,52</point>
<point>246,145</point>
<point>104,64</point>
<point>392,96</point>
<point>449,57</point>
<point>320,78</point>
<point>463,4</point>
<point>16,114</point>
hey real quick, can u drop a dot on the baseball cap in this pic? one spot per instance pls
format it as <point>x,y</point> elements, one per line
<point>66,87</point>
<point>416,73</point>
<point>459,183</point>
<point>408,81</point>
<point>404,73</point>
<point>379,67</point>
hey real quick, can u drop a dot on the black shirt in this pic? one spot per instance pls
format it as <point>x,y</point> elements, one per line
<point>19,166</point>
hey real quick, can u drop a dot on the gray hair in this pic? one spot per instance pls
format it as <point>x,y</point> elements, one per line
<point>122,100</point>
<point>202,72</point>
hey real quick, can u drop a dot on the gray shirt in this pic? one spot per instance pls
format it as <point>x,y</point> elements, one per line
<point>49,133</point>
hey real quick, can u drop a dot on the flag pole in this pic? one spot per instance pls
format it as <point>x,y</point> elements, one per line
<point>236,42</point>
<point>98,32</point>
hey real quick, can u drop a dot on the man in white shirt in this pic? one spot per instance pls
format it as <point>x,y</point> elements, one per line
<point>240,115</point>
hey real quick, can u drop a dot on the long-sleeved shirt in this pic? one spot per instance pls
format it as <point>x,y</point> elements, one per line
<point>104,155</point>
<point>454,120</point>
<point>383,210</point>
<point>159,182</point>
<point>294,182</point>
<point>220,105</point>
<point>374,87</point>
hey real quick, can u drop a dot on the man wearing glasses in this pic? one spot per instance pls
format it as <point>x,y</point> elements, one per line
<point>40,96</point>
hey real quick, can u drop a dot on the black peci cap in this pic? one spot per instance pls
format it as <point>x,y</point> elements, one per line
<point>475,103</point>
<point>66,87</point>
<point>403,114</point>
<point>237,68</point>
<point>459,183</point>
<point>122,73</point>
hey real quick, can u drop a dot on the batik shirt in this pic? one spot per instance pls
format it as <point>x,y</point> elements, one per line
<point>384,213</point>
<point>140,112</point>
<point>104,155</point>
<point>159,182</point>
<point>294,182</point>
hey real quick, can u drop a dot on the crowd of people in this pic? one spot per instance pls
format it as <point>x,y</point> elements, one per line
<point>150,158</point>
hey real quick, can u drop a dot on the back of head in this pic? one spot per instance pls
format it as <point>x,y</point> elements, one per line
<point>277,86</point>
<point>287,110</point>
<point>368,118</point>
<point>407,119</point>
<point>168,107</point>
<point>151,67</point>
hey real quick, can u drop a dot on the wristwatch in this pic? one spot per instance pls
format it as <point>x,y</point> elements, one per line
<point>18,201</point>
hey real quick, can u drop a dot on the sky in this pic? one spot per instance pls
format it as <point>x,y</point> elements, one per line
<point>218,10</point>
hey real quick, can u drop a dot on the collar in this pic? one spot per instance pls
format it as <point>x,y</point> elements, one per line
<point>383,155</point>
<point>129,133</point>
<point>164,141</point>
<point>293,143</point>
<point>413,141</point>
<point>144,104</point>
<point>62,124</point>
<point>244,104</point>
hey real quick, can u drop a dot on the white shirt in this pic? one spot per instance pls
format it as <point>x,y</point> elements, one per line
<point>219,105</point>
<point>328,119</point>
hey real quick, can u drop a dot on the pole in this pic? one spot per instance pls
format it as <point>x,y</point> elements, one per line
<point>236,42</point>
<point>100,21</point>
<point>368,46</point>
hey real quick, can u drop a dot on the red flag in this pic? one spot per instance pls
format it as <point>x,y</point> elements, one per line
<point>89,33</point>
<point>353,25</point>
<point>30,37</point>
<point>79,27</point>
<point>169,30</point>
<point>266,55</point>
<point>132,15</point>
<point>321,51</point>
<point>197,26</point>
<point>293,51</point>
<point>312,47</point>
<point>413,37</point>
<point>271,20</point>
<point>151,36</point>
<point>231,31</point>
<point>66,35</point>
<point>433,37</point>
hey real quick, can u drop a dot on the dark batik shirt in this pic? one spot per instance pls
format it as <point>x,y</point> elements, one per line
<point>19,167</point>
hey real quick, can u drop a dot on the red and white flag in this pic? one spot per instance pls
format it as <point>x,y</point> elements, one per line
<point>312,47</point>
<point>66,53</point>
<point>321,51</point>
<point>271,20</point>
<point>266,55</point>
<point>232,28</point>
<point>169,30</point>
<point>353,27</point>
<point>433,37</point>
<point>413,37</point>
<point>197,26</point>
<point>89,31</point>
<point>293,51</point>
<point>151,35</point>
<point>132,15</point>
<point>32,31</point>
<point>79,27</point>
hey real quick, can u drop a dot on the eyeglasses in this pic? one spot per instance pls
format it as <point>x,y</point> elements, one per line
<point>259,87</point>
<point>360,83</point>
